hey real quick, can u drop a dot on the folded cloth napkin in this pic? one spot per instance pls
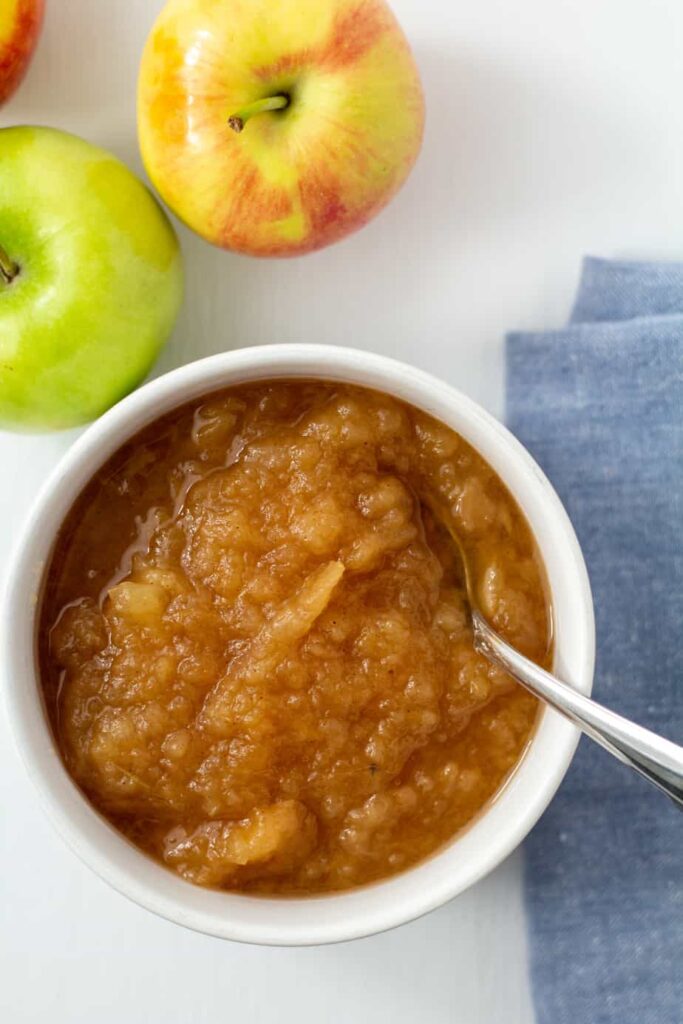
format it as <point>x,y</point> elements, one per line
<point>600,406</point>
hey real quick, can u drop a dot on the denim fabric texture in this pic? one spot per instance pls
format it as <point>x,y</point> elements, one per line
<point>600,406</point>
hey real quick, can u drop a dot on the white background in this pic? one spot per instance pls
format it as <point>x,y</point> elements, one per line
<point>554,129</point>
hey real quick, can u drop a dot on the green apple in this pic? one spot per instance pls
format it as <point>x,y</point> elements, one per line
<point>90,279</point>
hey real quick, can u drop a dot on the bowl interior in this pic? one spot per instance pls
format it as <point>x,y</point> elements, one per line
<point>384,904</point>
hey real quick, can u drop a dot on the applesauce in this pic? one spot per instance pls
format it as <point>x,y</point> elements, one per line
<point>255,646</point>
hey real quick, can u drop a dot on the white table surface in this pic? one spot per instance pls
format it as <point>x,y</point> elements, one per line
<point>553,130</point>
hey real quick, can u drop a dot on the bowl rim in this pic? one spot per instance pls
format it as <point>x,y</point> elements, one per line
<point>358,912</point>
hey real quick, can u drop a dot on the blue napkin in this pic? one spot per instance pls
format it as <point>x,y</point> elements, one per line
<point>600,406</point>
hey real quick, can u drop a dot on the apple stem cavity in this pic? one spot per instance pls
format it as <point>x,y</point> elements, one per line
<point>8,268</point>
<point>238,120</point>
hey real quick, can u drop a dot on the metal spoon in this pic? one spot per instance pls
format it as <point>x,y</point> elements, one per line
<point>659,760</point>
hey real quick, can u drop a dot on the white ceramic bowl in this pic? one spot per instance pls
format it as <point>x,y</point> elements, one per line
<point>379,906</point>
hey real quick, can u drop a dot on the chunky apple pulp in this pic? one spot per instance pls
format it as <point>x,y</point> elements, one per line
<point>255,645</point>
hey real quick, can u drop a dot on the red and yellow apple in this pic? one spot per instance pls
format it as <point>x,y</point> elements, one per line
<point>20,22</point>
<point>275,128</point>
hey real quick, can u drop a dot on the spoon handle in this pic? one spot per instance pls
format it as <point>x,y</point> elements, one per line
<point>657,759</point>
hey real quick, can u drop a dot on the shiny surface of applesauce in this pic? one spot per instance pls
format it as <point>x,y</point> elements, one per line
<point>254,643</point>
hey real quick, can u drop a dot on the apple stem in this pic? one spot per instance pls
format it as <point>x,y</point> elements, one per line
<point>238,120</point>
<point>8,268</point>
